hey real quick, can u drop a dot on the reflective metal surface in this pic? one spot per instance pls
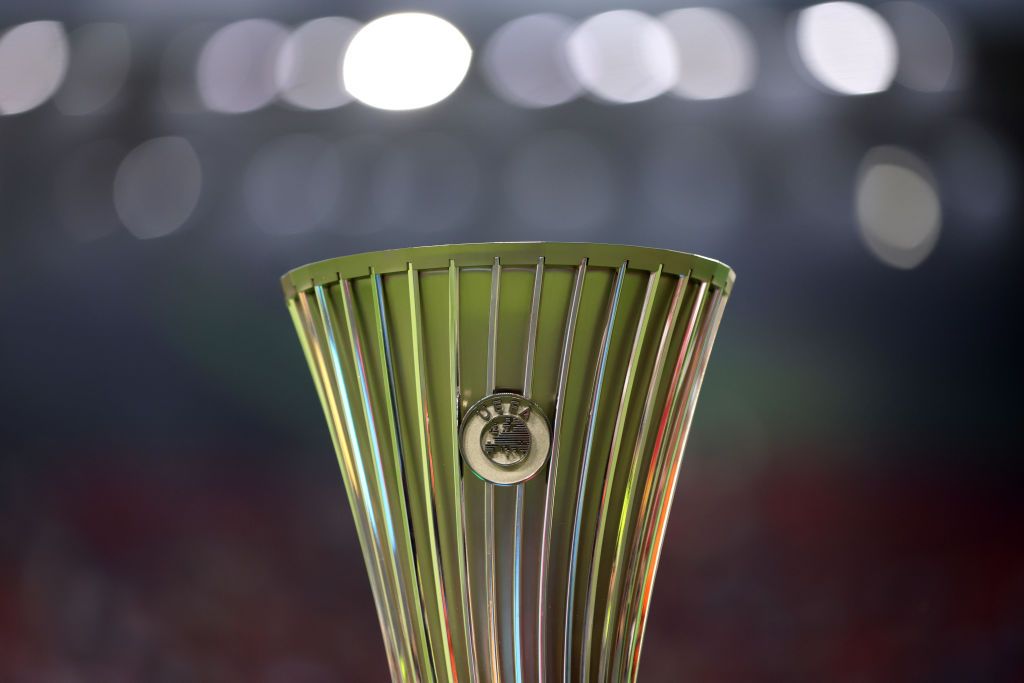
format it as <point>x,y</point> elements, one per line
<point>478,573</point>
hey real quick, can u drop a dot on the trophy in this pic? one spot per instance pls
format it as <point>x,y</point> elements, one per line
<point>510,420</point>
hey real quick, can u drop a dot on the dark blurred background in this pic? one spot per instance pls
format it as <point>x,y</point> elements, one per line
<point>851,507</point>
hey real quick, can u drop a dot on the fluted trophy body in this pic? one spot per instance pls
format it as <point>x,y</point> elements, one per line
<point>510,420</point>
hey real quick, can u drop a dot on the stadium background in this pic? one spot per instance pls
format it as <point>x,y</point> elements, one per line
<point>850,508</point>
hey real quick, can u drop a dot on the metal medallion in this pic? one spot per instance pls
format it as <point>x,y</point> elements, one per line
<point>505,438</point>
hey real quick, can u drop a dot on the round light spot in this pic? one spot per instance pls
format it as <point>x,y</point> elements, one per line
<point>236,68</point>
<point>897,207</point>
<point>525,61</point>
<point>33,59</point>
<point>157,186</point>
<point>309,65</point>
<point>405,61</point>
<point>927,52</point>
<point>847,47</point>
<point>291,186</point>
<point>561,181</point>
<point>623,56</point>
<point>100,57</point>
<point>716,53</point>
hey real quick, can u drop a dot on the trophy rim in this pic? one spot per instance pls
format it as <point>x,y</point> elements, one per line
<point>483,254</point>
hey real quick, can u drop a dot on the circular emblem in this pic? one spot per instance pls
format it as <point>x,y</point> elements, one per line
<point>505,438</point>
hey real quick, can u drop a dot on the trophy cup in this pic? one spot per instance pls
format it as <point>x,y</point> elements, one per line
<point>510,419</point>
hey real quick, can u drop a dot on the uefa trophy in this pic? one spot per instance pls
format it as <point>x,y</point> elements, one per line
<point>510,419</point>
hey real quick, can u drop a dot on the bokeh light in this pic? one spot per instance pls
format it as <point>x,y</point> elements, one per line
<point>292,184</point>
<point>33,60</point>
<point>525,61</point>
<point>928,55</point>
<point>561,183</point>
<point>847,47</point>
<point>157,186</point>
<point>406,61</point>
<point>97,69</point>
<point>236,68</point>
<point>623,56</point>
<point>309,64</point>
<point>717,56</point>
<point>897,206</point>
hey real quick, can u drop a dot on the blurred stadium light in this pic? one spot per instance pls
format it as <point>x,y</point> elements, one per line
<point>33,59</point>
<point>623,56</point>
<point>847,47</point>
<point>405,61</point>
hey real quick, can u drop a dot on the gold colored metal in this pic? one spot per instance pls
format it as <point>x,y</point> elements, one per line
<point>501,545</point>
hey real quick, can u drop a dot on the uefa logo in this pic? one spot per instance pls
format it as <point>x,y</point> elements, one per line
<point>505,438</point>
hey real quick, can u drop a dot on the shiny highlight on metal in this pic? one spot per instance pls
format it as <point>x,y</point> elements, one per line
<point>479,575</point>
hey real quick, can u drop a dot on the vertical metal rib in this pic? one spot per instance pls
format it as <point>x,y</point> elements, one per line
<point>387,377</point>
<point>709,327</point>
<point>381,492</point>
<point>355,487</point>
<point>588,445</point>
<point>492,325</point>
<point>615,578</point>
<point>609,475</point>
<point>552,479</point>
<point>447,663</point>
<point>310,345</point>
<point>489,512</point>
<point>531,332</point>
<point>459,471</point>
<point>517,587</point>
<point>647,518</point>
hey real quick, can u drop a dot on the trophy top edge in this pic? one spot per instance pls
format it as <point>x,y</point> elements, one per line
<point>483,254</point>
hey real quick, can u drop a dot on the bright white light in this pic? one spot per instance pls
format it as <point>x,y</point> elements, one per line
<point>236,68</point>
<point>33,59</point>
<point>561,182</point>
<point>897,207</point>
<point>405,61</point>
<point>100,57</point>
<point>927,52</point>
<point>157,187</point>
<point>623,56</point>
<point>847,47</point>
<point>525,61</point>
<point>292,184</point>
<point>716,53</point>
<point>309,65</point>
